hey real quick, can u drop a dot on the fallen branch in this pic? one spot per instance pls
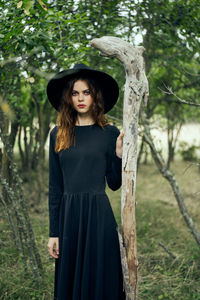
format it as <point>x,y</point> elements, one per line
<point>167,250</point>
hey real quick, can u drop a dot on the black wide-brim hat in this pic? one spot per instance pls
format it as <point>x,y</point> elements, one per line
<point>107,84</point>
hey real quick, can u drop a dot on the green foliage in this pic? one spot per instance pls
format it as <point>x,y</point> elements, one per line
<point>188,152</point>
<point>40,38</point>
<point>59,33</point>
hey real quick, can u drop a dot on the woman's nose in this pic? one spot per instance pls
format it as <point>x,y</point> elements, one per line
<point>80,96</point>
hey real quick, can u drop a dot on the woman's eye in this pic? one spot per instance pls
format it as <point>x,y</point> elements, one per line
<point>74,93</point>
<point>87,92</point>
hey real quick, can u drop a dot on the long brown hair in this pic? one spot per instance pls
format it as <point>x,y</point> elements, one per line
<point>67,115</point>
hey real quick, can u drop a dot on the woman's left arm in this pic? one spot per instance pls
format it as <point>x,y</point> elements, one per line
<point>114,159</point>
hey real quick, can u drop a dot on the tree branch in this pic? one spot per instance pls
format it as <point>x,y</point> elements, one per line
<point>179,100</point>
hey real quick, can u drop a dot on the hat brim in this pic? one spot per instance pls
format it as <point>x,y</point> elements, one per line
<point>107,84</point>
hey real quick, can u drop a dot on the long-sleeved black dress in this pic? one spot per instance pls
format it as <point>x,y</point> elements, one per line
<point>80,214</point>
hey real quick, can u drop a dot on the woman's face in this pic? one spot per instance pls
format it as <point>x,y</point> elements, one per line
<point>81,96</point>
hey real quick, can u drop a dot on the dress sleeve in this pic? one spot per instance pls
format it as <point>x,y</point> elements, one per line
<point>55,187</point>
<point>114,163</point>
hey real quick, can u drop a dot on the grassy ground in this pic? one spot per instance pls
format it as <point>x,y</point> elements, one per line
<point>158,220</point>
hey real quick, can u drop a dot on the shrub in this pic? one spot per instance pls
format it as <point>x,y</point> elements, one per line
<point>188,152</point>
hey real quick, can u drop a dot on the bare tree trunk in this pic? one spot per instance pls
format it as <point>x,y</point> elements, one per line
<point>172,141</point>
<point>136,89</point>
<point>5,161</point>
<point>14,201</point>
<point>41,135</point>
<point>13,132</point>
<point>22,158</point>
<point>140,153</point>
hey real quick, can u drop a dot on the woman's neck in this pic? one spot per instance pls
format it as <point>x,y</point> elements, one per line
<point>82,121</point>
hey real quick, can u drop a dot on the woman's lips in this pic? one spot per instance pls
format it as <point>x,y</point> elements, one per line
<point>81,105</point>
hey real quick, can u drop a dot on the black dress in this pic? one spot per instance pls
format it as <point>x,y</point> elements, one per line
<point>80,214</point>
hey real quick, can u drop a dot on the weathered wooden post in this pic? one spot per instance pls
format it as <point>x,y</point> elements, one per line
<point>136,89</point>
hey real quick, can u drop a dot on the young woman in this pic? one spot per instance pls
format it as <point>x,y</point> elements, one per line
<point>84,150</point>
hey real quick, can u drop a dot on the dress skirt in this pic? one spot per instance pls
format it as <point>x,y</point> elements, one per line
<point>89,265</point>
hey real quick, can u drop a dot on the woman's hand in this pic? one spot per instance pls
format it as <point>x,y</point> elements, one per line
<point>53,241</point>
<point>119,144</point>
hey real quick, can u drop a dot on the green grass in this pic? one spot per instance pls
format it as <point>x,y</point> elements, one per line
<point>158,220</point>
